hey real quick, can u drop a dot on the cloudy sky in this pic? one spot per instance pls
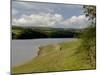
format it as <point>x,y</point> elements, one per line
<point>48,15</point>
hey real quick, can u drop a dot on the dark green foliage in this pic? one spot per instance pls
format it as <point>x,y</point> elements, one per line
<point>88,37</point>
<point>88,44</point>
<point>63,34</point>
<point>39,32</point>
<point>13,35</point>
<point>29,34</point>
<point>90,11</point>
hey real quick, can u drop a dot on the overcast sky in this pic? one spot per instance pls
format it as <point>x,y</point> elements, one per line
<point>48,15</point>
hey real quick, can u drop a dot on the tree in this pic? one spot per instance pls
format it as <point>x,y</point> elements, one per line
<point>88,37</point>
<point>90,12</point>
<point>30,34</point>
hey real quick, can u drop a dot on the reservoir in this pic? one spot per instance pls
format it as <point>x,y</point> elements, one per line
<point>24,50</point>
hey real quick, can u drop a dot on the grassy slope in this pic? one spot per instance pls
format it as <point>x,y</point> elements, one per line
<point>52,58</point>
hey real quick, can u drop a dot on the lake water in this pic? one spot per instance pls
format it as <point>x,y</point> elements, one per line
<point>25,50</point>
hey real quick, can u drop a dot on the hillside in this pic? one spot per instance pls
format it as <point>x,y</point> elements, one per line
<point>57,57</point>
<point>43,32</point>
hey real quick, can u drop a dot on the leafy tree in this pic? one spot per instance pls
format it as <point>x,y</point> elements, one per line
<point>90,12</point>
<point>88,37</point>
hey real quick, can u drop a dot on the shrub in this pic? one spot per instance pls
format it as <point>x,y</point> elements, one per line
<point>88,43</point>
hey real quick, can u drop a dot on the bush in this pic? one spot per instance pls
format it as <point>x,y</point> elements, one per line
<point>88,43</point>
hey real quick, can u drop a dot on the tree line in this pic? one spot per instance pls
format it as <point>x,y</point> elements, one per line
<point>33,33</point>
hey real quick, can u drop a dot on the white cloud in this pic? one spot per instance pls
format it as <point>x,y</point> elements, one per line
<point>76,21</point>
<point>51,20</point>
<point>41,19</point>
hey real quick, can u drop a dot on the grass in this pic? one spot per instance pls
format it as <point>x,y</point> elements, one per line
<point>57,57</point>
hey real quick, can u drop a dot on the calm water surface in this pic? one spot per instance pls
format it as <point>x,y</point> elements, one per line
<point>24,50</point>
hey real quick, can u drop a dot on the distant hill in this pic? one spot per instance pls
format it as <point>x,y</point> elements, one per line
<point>19,32</point>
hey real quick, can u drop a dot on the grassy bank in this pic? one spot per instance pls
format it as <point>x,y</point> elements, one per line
<point>56,57</point>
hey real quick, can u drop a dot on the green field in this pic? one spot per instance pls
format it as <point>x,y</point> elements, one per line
<point>56,57</point>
